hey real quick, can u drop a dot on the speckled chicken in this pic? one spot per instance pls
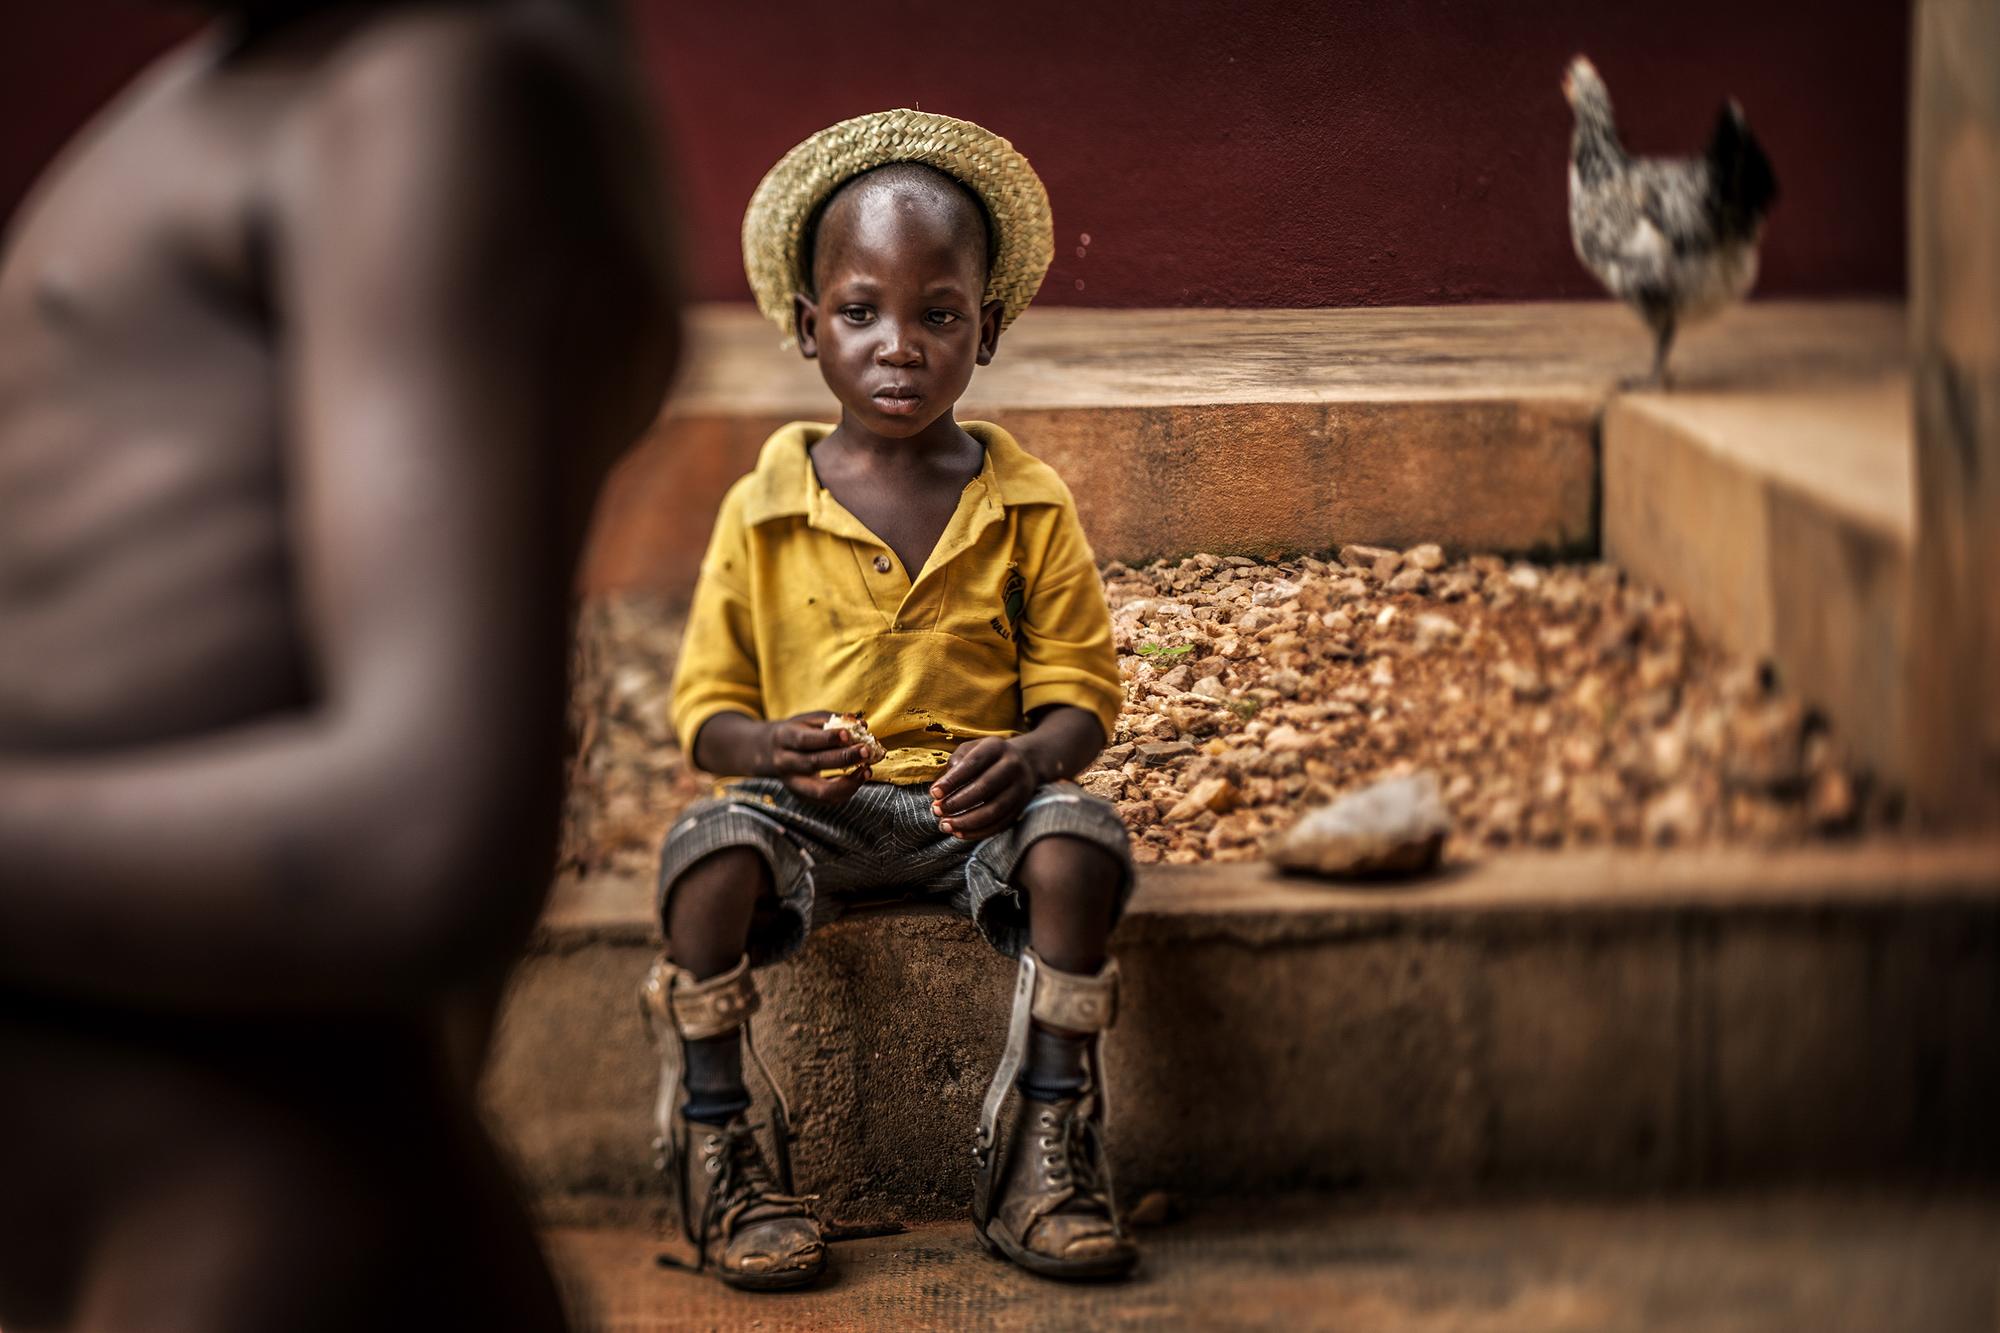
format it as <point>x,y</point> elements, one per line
<point>1674,238</point>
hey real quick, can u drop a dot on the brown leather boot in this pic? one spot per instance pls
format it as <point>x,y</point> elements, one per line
<point>757,1237</point>
<point>1047,1202</point>
<point>1056,1216</point>
<point>750,1225</point>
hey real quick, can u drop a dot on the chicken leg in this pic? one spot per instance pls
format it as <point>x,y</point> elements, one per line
<point>1663,342</point>
<point>1663,325</point>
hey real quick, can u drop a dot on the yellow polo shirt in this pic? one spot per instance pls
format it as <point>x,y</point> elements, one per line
<point>800,607</point>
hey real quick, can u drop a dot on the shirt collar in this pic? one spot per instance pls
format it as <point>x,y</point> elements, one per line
<point>783,483</point>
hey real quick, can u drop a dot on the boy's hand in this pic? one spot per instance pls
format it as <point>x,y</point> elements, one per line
<point>983,789</point>
<point>801,748</point>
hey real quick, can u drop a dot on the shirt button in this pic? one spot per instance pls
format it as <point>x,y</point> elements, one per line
<point>881,564</point>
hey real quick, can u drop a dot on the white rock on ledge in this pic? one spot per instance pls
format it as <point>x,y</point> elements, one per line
<point>1393,827</point>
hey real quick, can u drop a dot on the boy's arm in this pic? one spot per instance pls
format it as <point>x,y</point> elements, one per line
<point>1060,742</point>
<point>467,336</point>
<point>795,750</point>
<point>718,691</point>
<point>718,687</point>
<point>987,783</point>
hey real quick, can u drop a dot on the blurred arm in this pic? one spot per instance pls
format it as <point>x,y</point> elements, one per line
<point>1068,660</point>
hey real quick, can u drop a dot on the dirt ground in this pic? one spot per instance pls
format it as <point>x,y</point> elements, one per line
<point>1739,1264</point>
<point>1558,705</point>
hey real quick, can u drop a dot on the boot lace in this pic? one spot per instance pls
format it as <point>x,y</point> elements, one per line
<point>1073,1154</point>
<point>742,1181</point>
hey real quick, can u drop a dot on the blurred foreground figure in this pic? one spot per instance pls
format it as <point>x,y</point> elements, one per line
<point>313,350</point>
<point>1674,238</point>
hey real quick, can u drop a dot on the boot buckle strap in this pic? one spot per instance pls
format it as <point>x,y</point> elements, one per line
<point>701,1009</point>
<point>1075,1002</point>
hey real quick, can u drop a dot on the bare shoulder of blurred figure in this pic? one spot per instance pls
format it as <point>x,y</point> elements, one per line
<point>313,351</point>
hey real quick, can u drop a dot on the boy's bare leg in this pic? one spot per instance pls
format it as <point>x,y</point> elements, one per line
<point>708,914</point>
<point>708,928</point>
<point>1072,887</point>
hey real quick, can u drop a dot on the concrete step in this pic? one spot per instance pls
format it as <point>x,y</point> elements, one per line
<point>1602,1020</point>
<point>1784,519</point>
<point>1255,431</point>
<point>1720,1265</point>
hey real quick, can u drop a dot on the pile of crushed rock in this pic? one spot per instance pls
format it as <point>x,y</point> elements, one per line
<point>1555,705</point>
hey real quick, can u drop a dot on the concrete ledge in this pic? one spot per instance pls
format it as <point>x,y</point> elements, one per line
<point>1784,520</point>
<point>1252,431</point>
<point>1600,1020</point>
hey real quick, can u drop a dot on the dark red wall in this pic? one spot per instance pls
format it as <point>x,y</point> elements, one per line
<point>59,61</point>
<point>1240,152</point>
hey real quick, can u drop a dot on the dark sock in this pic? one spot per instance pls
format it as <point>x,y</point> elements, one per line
<point>715,1091</point>
<point>1055,1068</point>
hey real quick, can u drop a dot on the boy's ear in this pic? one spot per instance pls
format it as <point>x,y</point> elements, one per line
<point>989,331</point>
<point>805,325</point>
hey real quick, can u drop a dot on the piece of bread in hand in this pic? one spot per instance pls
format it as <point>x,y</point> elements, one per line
<point>856,726</point>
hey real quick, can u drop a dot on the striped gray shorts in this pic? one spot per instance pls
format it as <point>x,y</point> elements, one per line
<point>882,846</point>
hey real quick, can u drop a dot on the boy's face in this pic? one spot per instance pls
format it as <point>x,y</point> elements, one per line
<point>897,325</point>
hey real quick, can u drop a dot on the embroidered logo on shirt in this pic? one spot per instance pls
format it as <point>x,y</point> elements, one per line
<point>1013,600</point>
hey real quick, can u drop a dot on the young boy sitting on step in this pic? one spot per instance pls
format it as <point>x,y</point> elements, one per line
<point>927,583</point>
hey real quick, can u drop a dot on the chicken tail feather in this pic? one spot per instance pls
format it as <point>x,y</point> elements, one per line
<point>1745,186</point>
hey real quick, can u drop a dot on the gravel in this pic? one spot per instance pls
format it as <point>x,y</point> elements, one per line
<point>1557,705</point>
<point>627,778</point>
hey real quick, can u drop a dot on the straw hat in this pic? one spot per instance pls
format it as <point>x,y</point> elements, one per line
<point>984,162</point>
